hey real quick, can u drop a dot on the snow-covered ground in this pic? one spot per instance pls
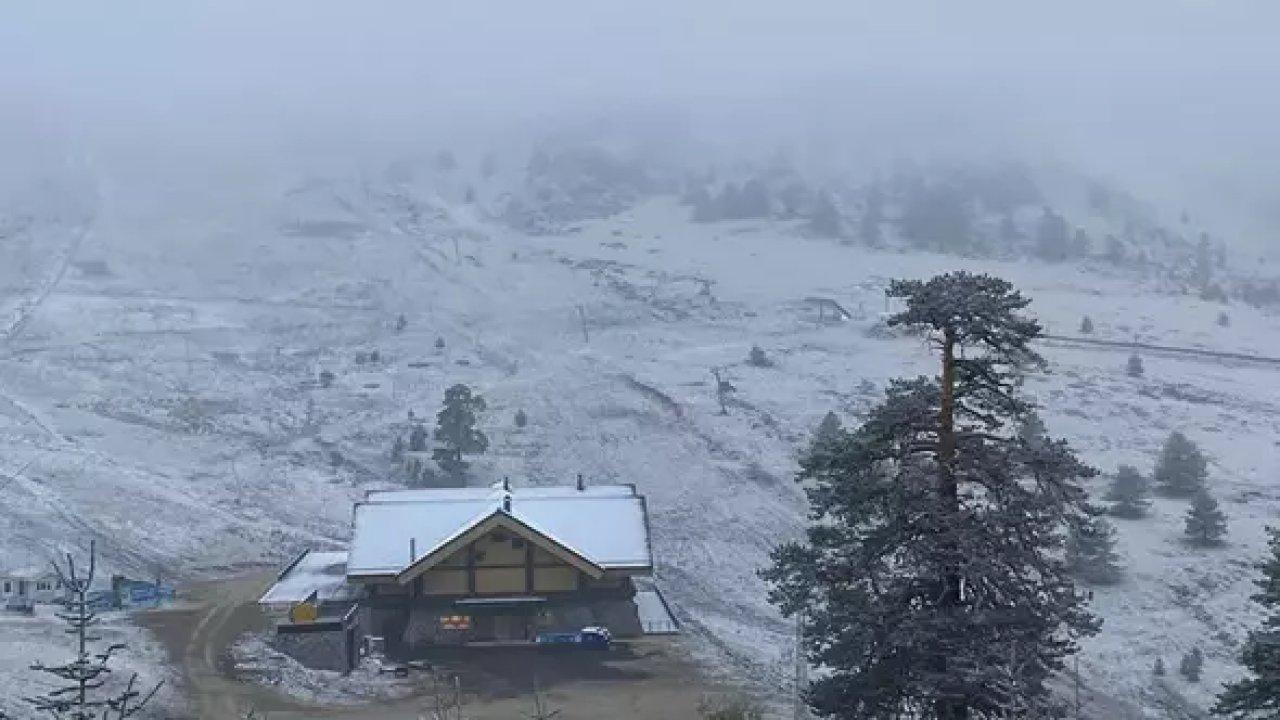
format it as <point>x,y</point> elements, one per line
<point>254,660</point>
<point>171,408</point>
<point>42,638</point>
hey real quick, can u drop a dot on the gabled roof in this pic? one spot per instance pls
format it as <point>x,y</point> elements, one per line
<point>499,518</point>
<point>599,528</point>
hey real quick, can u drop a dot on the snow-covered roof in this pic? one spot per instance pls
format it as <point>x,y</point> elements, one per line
<point>495,492</point>
<point>30,572</point>
<point>323,573</point>
<point>605,524</point>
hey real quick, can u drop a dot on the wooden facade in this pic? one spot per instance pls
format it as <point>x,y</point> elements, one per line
<point>500,558</point>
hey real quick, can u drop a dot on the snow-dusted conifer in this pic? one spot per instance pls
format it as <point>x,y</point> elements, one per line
<point>1135,367</point>
<point>923,519</point>
<point>828,431</point>
<point>1052,237</point>
<point>1206,524</point>
<point>757,357</point>
<point>418,438</point>
<point>1090,549</point>
<point>83,693</point>
<point>1128,492</point>
<point>1191,664</point>
<point>1182,469</point>
<point>825,220</point>
<point>1258,694</point>
<point>456,431</point>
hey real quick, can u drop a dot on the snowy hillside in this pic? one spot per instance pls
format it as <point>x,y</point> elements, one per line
<point>165,397</point>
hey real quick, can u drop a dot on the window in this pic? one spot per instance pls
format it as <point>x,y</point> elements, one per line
<point>8,587</point>
<point>43,585</point>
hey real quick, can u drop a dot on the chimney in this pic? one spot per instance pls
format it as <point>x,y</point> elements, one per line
<point>506,483</point>
<point>582,484</point>
<point>413,550</point>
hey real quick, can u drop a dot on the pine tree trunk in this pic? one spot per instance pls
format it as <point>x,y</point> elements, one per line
<point>949,502</point>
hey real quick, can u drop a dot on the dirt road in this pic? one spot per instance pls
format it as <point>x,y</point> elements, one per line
<point>197,634</point>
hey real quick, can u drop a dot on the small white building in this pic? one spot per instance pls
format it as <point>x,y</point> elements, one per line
<point>29,585</point>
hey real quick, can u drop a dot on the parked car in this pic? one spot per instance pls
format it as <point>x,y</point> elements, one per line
<point>589,638</point>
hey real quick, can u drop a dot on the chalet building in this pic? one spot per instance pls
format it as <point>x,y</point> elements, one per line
<point>477,565</point>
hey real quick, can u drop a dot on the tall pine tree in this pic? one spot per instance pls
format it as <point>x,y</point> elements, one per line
<point>1182,469</point>
<point>456,430</point>
<point>931,584</point>
<point>1128,492</point>
<point>1258,695</point>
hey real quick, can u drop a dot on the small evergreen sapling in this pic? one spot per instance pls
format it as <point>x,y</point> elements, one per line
<point>1090,549</point>
<point>758,358</point>
<point>1086,326</point>
<point>1181,470</point>
<point>1128,492</point>
<point>1135,367</point>
<point>1258,694</point>
<point>1158,668</point>
<point>1191,665</point>
<point>1224,320</point>
<point>521,419</point>
<point>1206,524</point>
<point>828,431</point>
<point>83,693</point>
<point>825,219</point>
<point>418,438</point>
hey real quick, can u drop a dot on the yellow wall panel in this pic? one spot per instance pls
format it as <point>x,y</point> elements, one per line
<point>555,579</point>
<point>444,582</point>
<point>499,580</point>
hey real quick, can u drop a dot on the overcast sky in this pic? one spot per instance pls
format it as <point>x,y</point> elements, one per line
<point>1180,85</point>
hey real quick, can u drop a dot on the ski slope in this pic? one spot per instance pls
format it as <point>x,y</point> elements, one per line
<point>192,435</point>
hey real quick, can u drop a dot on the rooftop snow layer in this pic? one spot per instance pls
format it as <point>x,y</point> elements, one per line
<point>495,492</point>
<point>324,573</point>
<point>605,524</point>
